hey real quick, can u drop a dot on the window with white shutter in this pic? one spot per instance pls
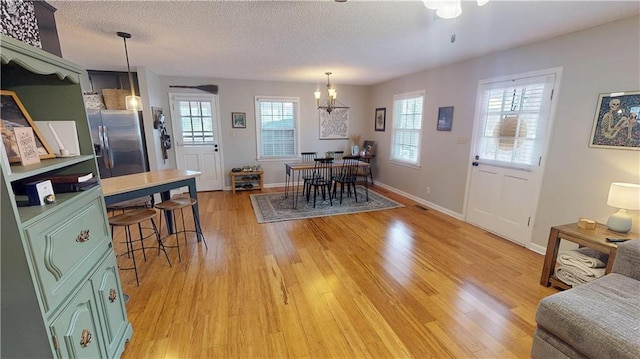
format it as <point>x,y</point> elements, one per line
<point>277,127</point>
<point>407,128</point>
<point>513,117</point>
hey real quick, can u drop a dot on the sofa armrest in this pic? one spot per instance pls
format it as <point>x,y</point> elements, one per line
<point>627,261</point>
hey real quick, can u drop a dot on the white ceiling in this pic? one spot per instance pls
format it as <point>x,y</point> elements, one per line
<point>361,42</point>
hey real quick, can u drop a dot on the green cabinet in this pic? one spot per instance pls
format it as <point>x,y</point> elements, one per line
<point>60,292</point>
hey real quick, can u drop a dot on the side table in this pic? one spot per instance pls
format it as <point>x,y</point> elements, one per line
<point>594,239</point>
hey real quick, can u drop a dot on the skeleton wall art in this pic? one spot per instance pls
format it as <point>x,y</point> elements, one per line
<point>616,123</point>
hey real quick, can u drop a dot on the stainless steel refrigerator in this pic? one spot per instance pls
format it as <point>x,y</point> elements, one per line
<point>118,140</point>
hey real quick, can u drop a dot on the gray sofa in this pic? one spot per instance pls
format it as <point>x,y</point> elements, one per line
<point>600,319</point>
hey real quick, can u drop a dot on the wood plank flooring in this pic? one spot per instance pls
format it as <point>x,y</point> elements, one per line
<point>401,283</point>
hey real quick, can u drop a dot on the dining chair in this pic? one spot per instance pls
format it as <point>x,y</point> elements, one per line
<point>337,156</point>
<point>307,174</point>
<point>347,175</point>
<point>321,180</point>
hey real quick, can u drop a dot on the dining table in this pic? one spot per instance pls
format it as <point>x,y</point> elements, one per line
<point>127,187</point>
<point>291,168</point>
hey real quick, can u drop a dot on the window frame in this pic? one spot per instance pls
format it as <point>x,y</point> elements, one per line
<point>549,80</point>
<point>175,98</point>
<point>394,128</point>
<point>296,128</point>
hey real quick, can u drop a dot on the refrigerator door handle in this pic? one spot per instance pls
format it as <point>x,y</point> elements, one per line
<point>107,155</point>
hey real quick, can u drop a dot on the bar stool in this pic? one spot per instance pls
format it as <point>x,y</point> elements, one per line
<point>136,203</point>
<point>130,218</point>
<point>171,206</point>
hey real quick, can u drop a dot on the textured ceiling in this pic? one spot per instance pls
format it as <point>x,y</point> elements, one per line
<point>361,42</point>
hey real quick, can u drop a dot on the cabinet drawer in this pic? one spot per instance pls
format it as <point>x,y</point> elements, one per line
<point>65,246</point>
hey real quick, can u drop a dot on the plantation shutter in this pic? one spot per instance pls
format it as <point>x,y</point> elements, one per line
<point>513,117</point>
<point>277,120</point>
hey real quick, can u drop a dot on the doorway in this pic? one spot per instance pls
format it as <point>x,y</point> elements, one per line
<point>512,125</point>
<point>195,121</point>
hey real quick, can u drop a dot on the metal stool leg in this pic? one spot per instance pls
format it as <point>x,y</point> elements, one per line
<point>133,253</point>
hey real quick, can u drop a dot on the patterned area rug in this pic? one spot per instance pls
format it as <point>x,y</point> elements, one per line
<point>273,207</point>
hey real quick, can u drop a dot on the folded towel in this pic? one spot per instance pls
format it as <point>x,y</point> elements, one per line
<point>574,276</point>
<point>584,256</point>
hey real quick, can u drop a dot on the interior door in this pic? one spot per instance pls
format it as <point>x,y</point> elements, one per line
<point>195,120</point>
<point>512,125</point>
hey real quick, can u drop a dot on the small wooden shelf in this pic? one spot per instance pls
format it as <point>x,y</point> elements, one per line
<point>594,239</point>
<point>246,180</point>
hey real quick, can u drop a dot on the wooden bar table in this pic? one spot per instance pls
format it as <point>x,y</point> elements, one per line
<point>124,188</point>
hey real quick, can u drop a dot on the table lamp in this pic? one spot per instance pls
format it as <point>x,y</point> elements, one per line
<point>623,196</point>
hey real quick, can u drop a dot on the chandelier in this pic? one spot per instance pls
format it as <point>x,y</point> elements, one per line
<point>132,102</point>
<point>448,9</point>
<point>330,103</point>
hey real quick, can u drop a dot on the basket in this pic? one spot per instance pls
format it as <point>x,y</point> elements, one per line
<point>114,99</point>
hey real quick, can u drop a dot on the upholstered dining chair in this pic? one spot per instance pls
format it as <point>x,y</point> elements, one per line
<point>321,180</point>
<point>347,175</point>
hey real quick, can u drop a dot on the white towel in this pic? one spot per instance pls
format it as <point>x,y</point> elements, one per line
<point>574,276</point>
<point>584,257</point>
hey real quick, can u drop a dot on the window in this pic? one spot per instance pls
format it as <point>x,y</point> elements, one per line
<point>277,127</point>
<point>513,116</point>
<point>407,127</point>
<point>195,116</point>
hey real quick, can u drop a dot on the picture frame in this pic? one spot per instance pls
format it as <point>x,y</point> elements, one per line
<point>616,124</point>
<point>14,114</point>
<point>445,118</point>
<point>380,119</point>
<point>369,147</point>
<point>238,120</point>
<point>334,125</point>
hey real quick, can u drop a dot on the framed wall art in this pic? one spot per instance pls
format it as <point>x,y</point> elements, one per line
<point>13,114</point>
<point>334,125</point>
<point>238,120</point>
<point>445,118</point>
<point>615,124</point>
<point>380,119</point>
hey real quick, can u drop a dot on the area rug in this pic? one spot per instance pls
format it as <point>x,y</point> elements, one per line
<point>274,207</point>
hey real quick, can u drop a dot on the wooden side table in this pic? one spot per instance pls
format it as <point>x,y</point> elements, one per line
<point>595,239</point>
<point>246,180</point>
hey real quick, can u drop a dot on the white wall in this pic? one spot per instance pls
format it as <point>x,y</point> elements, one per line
<point>576,178</point>
<point>150,91</point>
<point>239,145</point>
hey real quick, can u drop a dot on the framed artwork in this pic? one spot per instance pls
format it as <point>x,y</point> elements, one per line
<point>13,114</point>
<point>445,118</point>
<point>238,120</point>
<point>615,124</point>
<point>369,147</point>
<point>381,119</point>
<point>334,125</point>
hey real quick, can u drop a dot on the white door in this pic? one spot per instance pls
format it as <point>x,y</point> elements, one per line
<point>511,128</point>
<point>195,120</point>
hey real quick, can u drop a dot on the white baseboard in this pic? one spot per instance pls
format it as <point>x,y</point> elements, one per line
<point>537,248</point>
<point>422,201</point>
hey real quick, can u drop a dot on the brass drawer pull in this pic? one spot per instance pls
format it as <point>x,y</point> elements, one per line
<point>83,236</point>
<point>86,338</point>
<point>112,295</point>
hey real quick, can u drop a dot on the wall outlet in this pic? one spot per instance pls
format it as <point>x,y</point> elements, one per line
<point>428,190</point>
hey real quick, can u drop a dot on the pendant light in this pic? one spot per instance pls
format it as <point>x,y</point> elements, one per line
<point>132,102</point>
<point>330,103</point>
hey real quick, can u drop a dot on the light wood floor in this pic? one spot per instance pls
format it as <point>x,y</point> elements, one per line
<point>398,283</point>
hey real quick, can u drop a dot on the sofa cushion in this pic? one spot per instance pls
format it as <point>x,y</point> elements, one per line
<point>600,319</point>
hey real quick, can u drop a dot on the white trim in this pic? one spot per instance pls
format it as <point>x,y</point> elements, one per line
<point>404,96</point>
<point>297,130</point>
<point>433,206</point>
<point>557,71</point>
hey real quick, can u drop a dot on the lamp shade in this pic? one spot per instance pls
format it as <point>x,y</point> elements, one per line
<point>624,195</point>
